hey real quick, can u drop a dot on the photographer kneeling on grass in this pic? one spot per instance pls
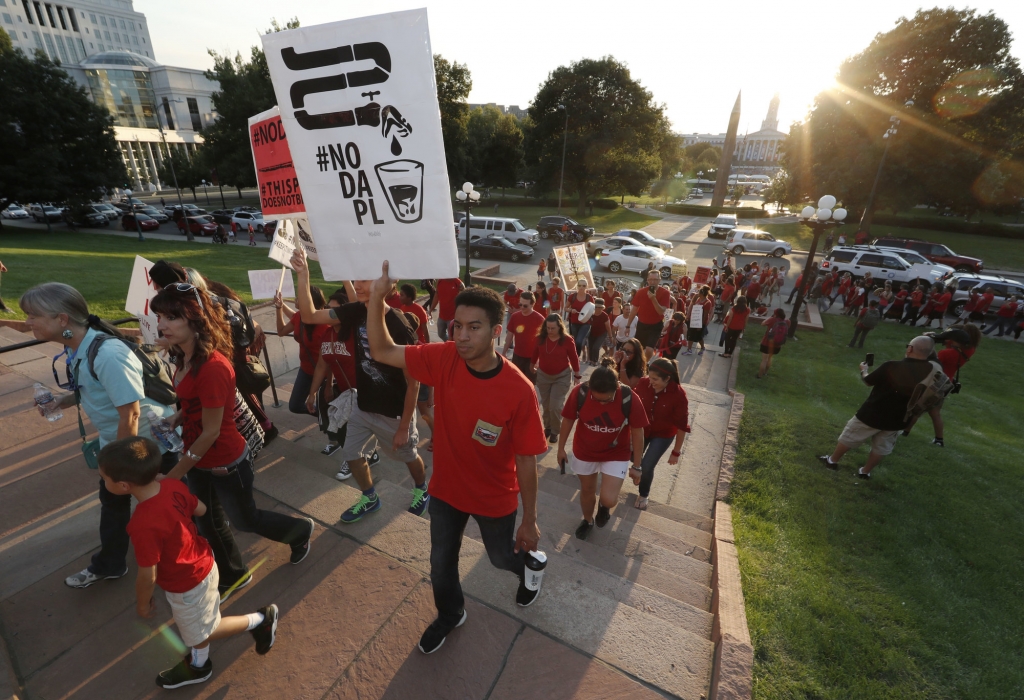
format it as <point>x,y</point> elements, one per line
<point>894,389</point>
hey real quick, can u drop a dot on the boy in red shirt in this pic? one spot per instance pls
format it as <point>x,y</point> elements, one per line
<point>171,553</point>
<point>521,338</point>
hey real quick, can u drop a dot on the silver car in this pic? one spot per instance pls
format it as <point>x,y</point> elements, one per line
<point>747,240</point>
<point>961,284</point>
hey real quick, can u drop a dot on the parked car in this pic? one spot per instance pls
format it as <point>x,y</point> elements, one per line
<point>189,209</point>
<point>244,218</point>
<point>961,284</point>
<point>85,216</point>
<point>245,207</point>
<point>637,258</point>
<point>499,248</point>
<point>112,213</point>
<point>722,225</point>
<point>936,252</point>
<point>222,216</point>
<point>41,212</point>
<point>882,264</point>
<point>154,213</point>
<point>146,222</point>
<point>491,226</point>
<point>199,225</point>
<point>13,211</point>
<point>596,245</point>
<point>547,226</point>
<point>921,266</point>
<point>644,238</point>
<point>753,241</point>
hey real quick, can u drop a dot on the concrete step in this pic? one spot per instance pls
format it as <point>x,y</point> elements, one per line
<point>615,632</point>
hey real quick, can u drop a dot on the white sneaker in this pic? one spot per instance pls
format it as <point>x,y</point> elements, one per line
<point>344,472</point>
<point>85,578</point>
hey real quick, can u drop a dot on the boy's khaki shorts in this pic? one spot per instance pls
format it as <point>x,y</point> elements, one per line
<point>197,612</point>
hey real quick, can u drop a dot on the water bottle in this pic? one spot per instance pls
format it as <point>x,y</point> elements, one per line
<point>163,432</point>
<point>534,574</point>
<point>45,400</point>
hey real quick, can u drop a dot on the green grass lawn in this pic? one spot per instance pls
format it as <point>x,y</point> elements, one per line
<point>905,586</point>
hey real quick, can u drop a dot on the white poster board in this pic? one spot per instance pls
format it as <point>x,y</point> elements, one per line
<point>288,234</point>
<point>359,104</point>
<point>573,265</point>
<point>264,284</point>
<point>140,293</point>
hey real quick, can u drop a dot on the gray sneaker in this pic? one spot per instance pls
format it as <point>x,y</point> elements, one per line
<point>343,472</point>
<point>85,578</point>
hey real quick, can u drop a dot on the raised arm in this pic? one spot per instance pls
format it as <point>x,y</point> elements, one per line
<point>302,295</point>
<point>382,346</point>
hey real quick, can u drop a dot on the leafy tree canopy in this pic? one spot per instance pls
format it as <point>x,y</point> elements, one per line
<point>454,83</point>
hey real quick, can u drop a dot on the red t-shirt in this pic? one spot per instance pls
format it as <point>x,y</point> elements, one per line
<point>555,297</point>
<point>420,313</point>
<point>598,324</point>
<point>942,303</point>
<point>972,302</point>
<point>727,291</point>
<point>667,412</point>
<point>645,311</point>
<point>340,357</point>
<point>553,357</point>
<point>212,387</point>
<point>309,344</point>
<point>738,319</point>
<point>608,297</point>
<point>476,437</point>
<point>916,298</point>
<point>447,290</point>
<point>394,300</point>
<point>1007,309</point>
<point>576,305</point>
<point>512,300</point>
<point>900,299</point>
<point>164,535</point>
<point>951,359</point>
<point>827,284</point>
<point>524,329</point>
<point>684,284</point>
<point>753,290</point>
<point>986,301</point>
<point>602,433</point>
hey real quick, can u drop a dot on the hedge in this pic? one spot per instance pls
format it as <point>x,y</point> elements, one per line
<point>568,204</point>
<point>950,225</point>
<point>692,210</point>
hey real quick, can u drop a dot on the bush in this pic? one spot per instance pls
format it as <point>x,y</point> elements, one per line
<point>740,212</point>
<point>950,225</point>
<point>568,204</point>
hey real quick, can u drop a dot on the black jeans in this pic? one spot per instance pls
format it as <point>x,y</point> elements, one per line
<point>861,332</point>
<point>300,390</point>
<point>731,336</point>
<point>446,527</point>
<point>231,496</point>
<point>115,512</point>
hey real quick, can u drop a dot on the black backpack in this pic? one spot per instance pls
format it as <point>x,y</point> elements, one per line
<point>625,403</point>
<point>156,380</point>
<point>243,331</point>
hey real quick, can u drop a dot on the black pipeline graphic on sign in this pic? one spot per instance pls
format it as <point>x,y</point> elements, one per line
<point>401,181</point>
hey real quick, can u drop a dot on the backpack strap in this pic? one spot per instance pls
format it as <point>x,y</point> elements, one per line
<point>94,350</point>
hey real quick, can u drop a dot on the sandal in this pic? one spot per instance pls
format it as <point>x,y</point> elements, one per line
<point>330,449</point>
<point>641,503</point>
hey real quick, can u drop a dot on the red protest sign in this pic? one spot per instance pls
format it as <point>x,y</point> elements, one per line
<point>275,173</point>
<point>702,275</point>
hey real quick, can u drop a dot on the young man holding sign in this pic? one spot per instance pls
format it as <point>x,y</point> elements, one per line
<point>485,451</point>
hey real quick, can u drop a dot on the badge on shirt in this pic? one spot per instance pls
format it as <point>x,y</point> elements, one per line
<point>486,434</point>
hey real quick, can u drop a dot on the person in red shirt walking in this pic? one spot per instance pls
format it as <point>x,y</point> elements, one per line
<point>664,401</point>
<point>939,303</point>
<point>444,301</point>
<point>899,301</point>
<point>610,294</point>
<point>308,338</point>
<point>649,304</point>
<point>521,337</point>
<point>959,346</point>
<point>1004,317</point>
<point>407,304</point>
<point>557,367</point>
<point>735,322</point>
<point>485,450</point>
<point>987,297</point>
<point>600,332</point>
<point>610,434</point>
<point>912,310</point>
<point>511,297</point>
<point>753,292</point>
<point>170,553</point>
<point>698,315</point>
<point>556,296</point>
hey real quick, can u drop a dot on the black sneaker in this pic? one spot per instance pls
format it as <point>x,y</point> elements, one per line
<point>374,458</point>
<point>583,530</point>
<point>602,517</point>
<point>184,674</point>
<point>827,461</point>
<point>435,635</point>
<point>301,549</point>
<point>553,438</point>
<point>524,596</point>
<point>227,589</point>
<point>863,475</point>
<point>266,632</point>
<point>939,442</point>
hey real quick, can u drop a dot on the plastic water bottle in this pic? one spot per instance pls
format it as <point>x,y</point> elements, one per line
<point>45,400</point>
<point>534,574</point>
<point>163,432</point>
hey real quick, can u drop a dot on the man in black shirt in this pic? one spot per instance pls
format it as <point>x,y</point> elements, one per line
<point>881,416</point>
<point>386,396</point>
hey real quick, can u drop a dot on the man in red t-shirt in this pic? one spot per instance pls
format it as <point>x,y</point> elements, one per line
<point>521,338</point>
<point>1004,317</point>
<point>170,553</point>
<point>444,301</point>
<point>408,305</point>
<point>939,306</point>
<point>511,297</point>
<point>649,304</point>
<point>487,436</point>
<point>753,292</point>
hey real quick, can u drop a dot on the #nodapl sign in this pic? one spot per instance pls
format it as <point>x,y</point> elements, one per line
<point>280,193</point>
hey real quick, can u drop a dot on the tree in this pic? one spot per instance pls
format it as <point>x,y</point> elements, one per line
<point>615,130</point>
<point>57,145</point>
<point>967,120</point>
<point>5,41</point>
<point>504,155</point>
<point>777,191</point>
<point>190,172</point>
<point>453,86</point>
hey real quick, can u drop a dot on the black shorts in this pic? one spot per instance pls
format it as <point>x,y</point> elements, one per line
<point>976,316</point>
<point>649,333</point>
<point>695,335</point>
<point>773,351</point>
<point>936,315</point>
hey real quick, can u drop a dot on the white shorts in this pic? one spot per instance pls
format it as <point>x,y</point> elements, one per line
<point>857,432</point>
<point>581,468</point>
<point>197,612</point>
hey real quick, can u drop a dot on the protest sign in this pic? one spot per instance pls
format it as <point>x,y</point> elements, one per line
<point>678,271</point>
<point>264,284</point>
<point>288,234</point>
<point>573,265</point>
<point>359,103</point>
<point>701,276</point>
<point>140,293</point>
<point>280,194</point>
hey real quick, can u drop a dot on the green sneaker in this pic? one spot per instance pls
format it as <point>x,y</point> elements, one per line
<point>363,506</point>
<point>420,499</point>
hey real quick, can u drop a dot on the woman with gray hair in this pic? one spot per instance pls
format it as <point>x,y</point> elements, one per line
<point>109,382</point>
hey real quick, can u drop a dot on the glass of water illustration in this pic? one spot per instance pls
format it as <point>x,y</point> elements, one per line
<point>402,182</point>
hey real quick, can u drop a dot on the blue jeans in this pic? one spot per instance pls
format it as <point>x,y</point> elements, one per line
<point>654,449</point>
<point>447,524</point>
<point>442,329</point>
<point>579,332</point>
<point>1003,323</point>
<point>300,390</point>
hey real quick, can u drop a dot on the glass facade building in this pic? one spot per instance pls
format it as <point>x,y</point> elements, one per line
<point>127,94</point>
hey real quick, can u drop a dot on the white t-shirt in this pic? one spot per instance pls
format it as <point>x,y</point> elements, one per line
<point>624,332</point>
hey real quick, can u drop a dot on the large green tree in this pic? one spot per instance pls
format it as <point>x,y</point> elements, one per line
<point>958,146</point>
<point>614,136</point>
<point>494,147</point>
<point>453,86</point>
<point>57,145</point>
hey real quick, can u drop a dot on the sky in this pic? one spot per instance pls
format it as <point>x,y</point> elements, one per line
<point>693,57</point>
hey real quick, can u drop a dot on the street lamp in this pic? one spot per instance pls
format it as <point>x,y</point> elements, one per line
<point>170,161</point>
<point>894,124</point>
<point>818,220</point>
<point>206,192</point>
<point>565,138</point>
<point>469,197</point>
<point>700,174</point>
<point>135,214</point>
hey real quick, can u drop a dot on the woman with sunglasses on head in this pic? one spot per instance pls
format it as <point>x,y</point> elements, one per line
<point>631,365</point>
<point>667,416</point>
<point>111,393</point>
<point>216,460</point>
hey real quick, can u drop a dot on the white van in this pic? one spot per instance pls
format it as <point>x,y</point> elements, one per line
<point>496,226</point>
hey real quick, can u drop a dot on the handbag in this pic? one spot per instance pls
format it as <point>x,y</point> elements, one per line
<point>251,376</point>
<point>90,448</point>
<point>340,409</point>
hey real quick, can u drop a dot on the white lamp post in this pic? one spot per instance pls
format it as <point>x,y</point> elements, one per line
<point>469,197</point>
<point>825,216</point>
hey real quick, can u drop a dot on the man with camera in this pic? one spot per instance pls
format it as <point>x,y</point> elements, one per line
<point>883,414</point>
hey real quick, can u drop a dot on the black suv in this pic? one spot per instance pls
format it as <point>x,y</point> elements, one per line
<point>548,225</point>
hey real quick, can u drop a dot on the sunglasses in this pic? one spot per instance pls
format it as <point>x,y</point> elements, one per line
<point>186,287</point>
<point>70,384</point>
<point>524,306</point>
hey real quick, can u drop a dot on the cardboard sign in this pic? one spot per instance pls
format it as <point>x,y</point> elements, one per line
<point>289,234</point>
<point>678,271</point>
<point>573,265</point>
<point>264,284</point>
<point>140,293</point>
<point>275,172</point>
<point>359,103</point>
<point>701,276</point>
